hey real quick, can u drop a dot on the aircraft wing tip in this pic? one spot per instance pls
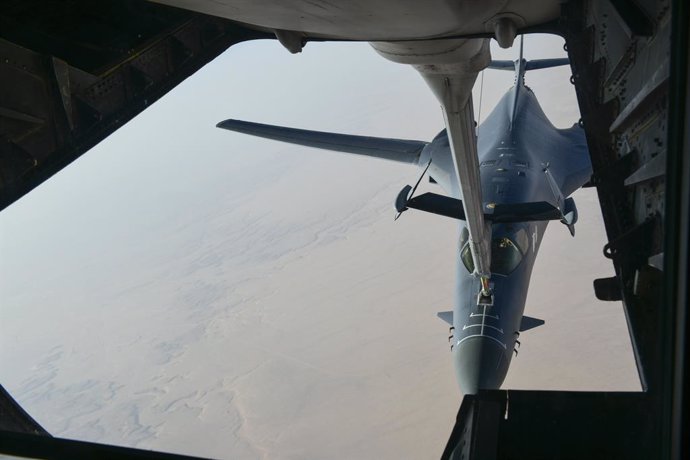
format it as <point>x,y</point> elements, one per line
<point>226,124</point>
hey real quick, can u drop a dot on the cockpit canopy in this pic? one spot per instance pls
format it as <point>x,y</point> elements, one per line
<point>506,252</point>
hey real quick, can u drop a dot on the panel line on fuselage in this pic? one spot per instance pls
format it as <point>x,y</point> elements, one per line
<point>467,326</point>
<point>505,347</point>
<point>484,314</point>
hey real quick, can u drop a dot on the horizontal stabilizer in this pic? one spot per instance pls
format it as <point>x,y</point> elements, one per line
<point>501,65</point>
<point>498,213</point>
<point>446,316</point>
<point>534,64</point>
<point>404,151</point>
<point>530,323</point>
<point>523,212</point>
<point>435,204</point>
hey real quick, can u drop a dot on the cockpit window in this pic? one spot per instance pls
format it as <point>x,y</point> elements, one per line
<point>505,256</point>
<point>464,236</point>
<point>522,240</point>
<point>465,252</point>
<point>466,256</point>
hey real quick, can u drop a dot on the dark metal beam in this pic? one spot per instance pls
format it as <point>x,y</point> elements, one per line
<point>49,448</point>
<point>14,418</point>
<point>75,71</point>
<point>518,425</point>
<point>677,245</point>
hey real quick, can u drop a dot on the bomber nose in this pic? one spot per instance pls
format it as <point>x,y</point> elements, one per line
<point>479,364</point>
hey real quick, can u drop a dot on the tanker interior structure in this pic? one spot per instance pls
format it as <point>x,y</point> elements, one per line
<point>74,71</point>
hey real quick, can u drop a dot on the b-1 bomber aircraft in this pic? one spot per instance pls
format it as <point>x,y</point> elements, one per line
<point>519,180</point>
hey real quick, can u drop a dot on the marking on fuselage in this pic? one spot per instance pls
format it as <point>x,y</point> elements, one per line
<point>481,331</point>
<point>505,347</point>
<point>472,315</point>
<point>487,325</point>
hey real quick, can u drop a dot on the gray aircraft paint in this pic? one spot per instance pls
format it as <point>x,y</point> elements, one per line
<point>514,148</point>
<point>516,144</point>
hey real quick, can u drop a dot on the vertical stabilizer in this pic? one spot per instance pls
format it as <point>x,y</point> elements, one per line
<point>520,66</point>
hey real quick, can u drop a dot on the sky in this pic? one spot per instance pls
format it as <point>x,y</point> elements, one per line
<point>149,170</point>
<point>177,269</point>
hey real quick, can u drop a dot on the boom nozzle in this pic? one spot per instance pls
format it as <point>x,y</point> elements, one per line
<point>485,298</point>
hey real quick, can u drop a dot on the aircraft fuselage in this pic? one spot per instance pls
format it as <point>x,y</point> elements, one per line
<point>513,150</point>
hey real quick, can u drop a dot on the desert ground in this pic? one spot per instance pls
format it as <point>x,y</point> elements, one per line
<point>187,289</point>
